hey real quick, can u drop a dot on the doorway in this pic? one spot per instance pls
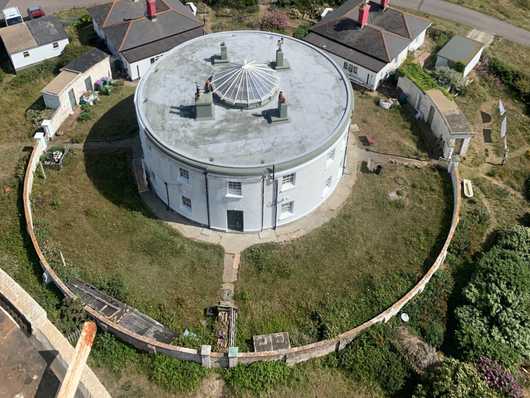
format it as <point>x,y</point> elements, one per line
<point>88,84</point>
<point>234,220</point>
<point>71,96</point>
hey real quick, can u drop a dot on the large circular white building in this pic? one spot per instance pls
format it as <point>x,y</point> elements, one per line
<point>220,149</point>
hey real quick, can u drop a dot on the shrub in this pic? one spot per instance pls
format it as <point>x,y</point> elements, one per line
<point>261,377</point>
<point>514,79</point>
<point>275,21</point>
<point>112,354</point>
<point>72,315</point>
<point>498,378</point>
<point>174,375</point>
<point>494,319</point>
<point>301,31</point>
<point>453,379</point>
<point>371,358</point>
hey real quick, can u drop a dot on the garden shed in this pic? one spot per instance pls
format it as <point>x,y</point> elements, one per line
<point>461,54</point>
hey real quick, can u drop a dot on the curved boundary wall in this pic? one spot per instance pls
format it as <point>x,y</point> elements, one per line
<point>203,355</point>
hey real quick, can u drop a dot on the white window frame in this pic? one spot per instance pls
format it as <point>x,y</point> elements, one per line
<point>182,178</point>
<point>234,192</point>
<point>56,45</point>
<point>288,181</point>
<point>287,209</point>
<point>25,54</point>
<point>184,200</point>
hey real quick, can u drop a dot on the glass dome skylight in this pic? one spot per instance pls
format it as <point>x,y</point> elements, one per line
<point>245,85</point>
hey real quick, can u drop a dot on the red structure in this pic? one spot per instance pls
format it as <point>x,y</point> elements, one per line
<point>364,12</point>
<point>151,9</point>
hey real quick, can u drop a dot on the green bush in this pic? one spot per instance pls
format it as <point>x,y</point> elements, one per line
<point>453,379</point>
<point>262,377</point>
<point>301,31</point>
<point>514,79</point>
<point>112,354</point>
<point>494,320</point>
<point>371,358</point>
<point>174,375</point>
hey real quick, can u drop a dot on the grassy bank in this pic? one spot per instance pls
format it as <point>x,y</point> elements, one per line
<point>351,268</point>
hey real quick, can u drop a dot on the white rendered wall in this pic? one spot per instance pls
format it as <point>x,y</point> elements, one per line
<point>258,192</point>
<point>370,79</point>
<point>37,54</point>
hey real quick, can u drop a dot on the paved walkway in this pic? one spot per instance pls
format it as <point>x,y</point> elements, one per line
<point>466,16</point>
<point>51,6</point>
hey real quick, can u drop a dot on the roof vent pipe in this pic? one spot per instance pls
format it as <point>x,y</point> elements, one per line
<point>364,12</point>
<point>151,9</point>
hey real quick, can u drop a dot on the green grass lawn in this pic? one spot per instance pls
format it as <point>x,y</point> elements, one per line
<point>91,211</point>
<point>394,131</point>
<point>113,116</point>
<point>351,268</point>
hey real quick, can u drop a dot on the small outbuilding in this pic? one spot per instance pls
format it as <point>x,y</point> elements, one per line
<point>75,80</point>
<point>461,54</point>
<point>29,43</point>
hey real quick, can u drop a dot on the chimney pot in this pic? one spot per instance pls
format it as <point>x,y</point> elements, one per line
<point>151,9</point>
<point>364,12</point>
<point>385,4</point>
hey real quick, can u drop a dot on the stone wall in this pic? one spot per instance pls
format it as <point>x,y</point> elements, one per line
<point>204,355</point>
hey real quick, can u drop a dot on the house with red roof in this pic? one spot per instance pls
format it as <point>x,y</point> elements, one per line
<point>369,39</point>
<point>139,32</point>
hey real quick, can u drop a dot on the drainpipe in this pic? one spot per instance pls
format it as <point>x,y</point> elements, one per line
<point>262,200</point>
<point>207,197</point>
<point>167,195</point>
<point>276,193</point>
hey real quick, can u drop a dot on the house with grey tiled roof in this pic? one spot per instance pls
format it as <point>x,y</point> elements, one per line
<point>369,39</point>
<point>139,32</point>
<point>29,43</point>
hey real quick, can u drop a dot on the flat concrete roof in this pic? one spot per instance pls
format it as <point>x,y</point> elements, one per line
<point>460,49</point>
<point>61,81</point>
<point>17,38</point>
<point>319,98</point>
<point>455,118</point>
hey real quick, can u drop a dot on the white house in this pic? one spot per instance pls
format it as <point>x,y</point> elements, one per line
<point>77,78</point>
<point>139,32</point>
<point>252,159</point>
<point>370,40</point>
<point>460,53</point>
<point>34,41</point>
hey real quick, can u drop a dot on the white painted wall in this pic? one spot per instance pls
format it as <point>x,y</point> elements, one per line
<point>307,194</point>
<point>474,61</point>
<point>37,54</point>
<point>137,69</point>
<point>371,79</point>
<point>61,102</point>
<point>439,126</point>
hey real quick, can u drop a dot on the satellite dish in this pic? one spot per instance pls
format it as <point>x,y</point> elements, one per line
<point>404,317</point>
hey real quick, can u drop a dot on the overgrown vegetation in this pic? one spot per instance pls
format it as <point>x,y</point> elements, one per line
<point>419,76</point>
<point>453,378</point>
<point>493,320</point>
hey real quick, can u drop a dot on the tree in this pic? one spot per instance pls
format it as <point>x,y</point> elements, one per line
<point>453,379</point>
<point>494,320</point>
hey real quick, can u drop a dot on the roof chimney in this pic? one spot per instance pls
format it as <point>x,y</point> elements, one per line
<point>364,12</point>
<point>151,9</point>
<point>384,4</point>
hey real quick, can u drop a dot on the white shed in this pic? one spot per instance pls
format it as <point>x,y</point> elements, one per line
<point>461,54</point>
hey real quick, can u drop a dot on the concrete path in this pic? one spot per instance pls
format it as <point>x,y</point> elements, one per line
<point>466,16</point>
